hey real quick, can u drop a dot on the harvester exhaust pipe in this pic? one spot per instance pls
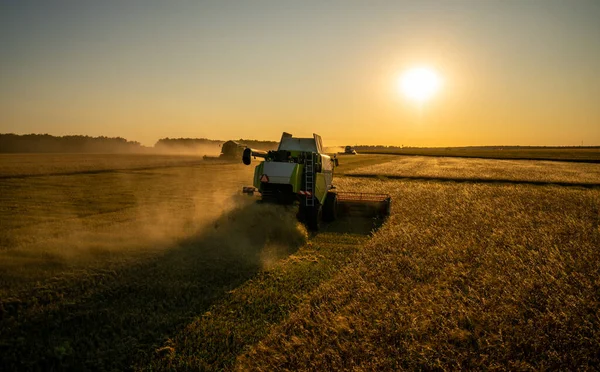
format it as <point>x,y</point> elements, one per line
<point>249,153</point>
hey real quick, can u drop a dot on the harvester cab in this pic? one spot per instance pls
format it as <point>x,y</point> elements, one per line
<point>299,171</point>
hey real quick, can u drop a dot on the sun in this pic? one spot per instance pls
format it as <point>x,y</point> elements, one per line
<point>419,83</point>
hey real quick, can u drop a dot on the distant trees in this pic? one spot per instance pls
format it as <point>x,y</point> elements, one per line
<point>367,148</point>
<point>46,143</point>
<point>261,145</point>
<point>29,143</point>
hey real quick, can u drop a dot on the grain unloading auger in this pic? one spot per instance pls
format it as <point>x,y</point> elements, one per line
<point>299,171</point>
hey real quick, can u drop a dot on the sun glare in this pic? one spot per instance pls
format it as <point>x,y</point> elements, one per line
<point>419,83</point>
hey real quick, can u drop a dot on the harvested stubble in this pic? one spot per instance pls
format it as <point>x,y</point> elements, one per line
<point>27,165</point>
<point>107,319</point>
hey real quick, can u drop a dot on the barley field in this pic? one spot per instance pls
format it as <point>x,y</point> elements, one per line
<point>160,264</point>
<point>485,170</point>
<point>25,165</point>
<point>462,276</point>
<point>570,154</point>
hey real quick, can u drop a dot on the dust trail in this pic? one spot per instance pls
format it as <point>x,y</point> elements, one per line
<point>334,149</point>
<point>257,231</point>
<point>112,317</point>
<point>200,150</point>
<point>62,223</point>
<point>111,220</point>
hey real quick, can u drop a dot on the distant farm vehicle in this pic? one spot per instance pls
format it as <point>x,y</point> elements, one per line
<point>349,150</point>
<point>299,172</point>
<point>230,150</point>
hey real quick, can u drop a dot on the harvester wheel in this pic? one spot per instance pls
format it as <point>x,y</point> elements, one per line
<point>330,207</point>
<point>313,217</point>
<point>301,215</point>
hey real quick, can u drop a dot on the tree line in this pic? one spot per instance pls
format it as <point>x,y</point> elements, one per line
<point>46,143</point>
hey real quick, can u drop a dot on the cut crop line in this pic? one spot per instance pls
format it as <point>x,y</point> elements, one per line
<point>491,157</point>
<point>476,180</point>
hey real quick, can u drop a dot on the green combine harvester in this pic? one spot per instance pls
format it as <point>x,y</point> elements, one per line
<point>299,172</point>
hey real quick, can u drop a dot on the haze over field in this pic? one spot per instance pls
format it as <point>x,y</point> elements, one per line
<point>492,72</point>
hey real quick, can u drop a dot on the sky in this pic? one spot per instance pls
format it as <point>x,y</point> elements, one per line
<point>513,72</point>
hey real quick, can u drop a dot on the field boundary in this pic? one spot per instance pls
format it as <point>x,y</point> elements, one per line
<point>594,161</point>
<point>476,180</point>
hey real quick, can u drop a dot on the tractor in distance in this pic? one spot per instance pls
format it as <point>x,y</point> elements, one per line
<point>299,172</point>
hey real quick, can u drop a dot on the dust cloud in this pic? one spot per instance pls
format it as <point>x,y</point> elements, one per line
<point>136,215</point>
<point>333,150</point>
<point>197,150</point>
<point>256,232</point>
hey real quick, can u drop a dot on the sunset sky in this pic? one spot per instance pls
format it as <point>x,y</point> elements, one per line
<point>512,72</point>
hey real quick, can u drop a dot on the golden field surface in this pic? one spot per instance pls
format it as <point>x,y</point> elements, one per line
<point>163,266</point>
<point>12,165</point>
<point>485,170</point>
<point>575,154</point>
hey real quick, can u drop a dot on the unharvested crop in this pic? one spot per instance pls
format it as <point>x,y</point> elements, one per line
<point>485,170</point>
<point>462,276</point>
<point>586,154</point>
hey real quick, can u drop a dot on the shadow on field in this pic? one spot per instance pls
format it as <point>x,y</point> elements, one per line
<point>123,315</point>
<point>354,224</point>
<point>476,180</point>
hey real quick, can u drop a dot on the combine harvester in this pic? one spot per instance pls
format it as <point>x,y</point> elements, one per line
<point>349,150</point>
<point>230,150</point>
<point>299,171</point>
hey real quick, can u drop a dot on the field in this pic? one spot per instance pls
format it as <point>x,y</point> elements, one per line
<point>26,165</point>
<point>535,172</point>
<point>571,154</point>
<point>156,263</point>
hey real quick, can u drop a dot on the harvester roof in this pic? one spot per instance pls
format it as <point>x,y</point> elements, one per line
<point>290,143</point>
<point>232,143</point>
